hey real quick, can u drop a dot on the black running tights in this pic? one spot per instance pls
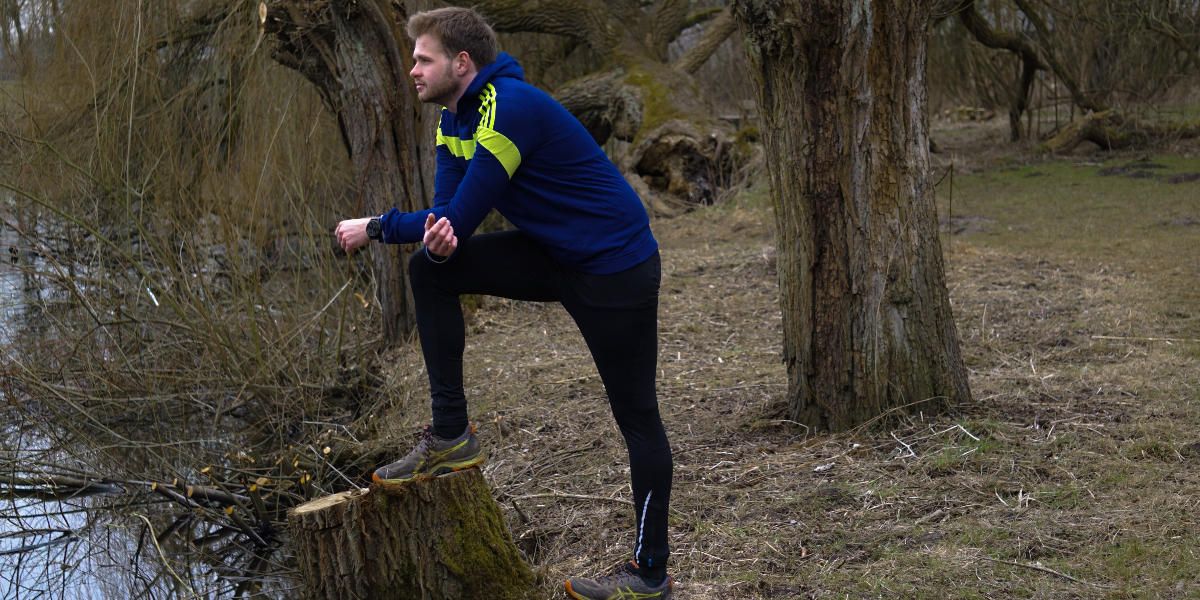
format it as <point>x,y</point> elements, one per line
<point>618,317</point>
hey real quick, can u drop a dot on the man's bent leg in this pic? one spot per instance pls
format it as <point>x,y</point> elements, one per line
<point>507,264</point>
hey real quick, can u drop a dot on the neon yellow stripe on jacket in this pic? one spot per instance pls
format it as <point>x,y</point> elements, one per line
<point>487,106</point>
<point>501,147</point>
<point>497,143</point>
<point>458,147</point>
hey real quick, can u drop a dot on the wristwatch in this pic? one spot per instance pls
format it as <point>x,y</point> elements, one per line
<point>375,229</point>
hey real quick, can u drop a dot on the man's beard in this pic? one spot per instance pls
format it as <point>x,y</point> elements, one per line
<point>442,93</point>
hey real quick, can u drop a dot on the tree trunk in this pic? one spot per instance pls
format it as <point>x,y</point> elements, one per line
<point>443,538</point>
<point>866,313</point>
<point>1020,99</point>
<point>15,44</point>
<point>358,56</point>
<point>604,105</point>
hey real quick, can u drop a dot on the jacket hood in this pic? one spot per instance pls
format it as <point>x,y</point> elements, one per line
<point>504,66</point>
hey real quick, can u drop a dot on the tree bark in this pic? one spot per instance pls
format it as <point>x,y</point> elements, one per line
<point>866,314</point>
<point>358,56</point>
<point>604,105</point>
<point>588,21</point>
<point>442,538</point>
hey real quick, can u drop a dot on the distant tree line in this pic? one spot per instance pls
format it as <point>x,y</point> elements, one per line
<point>1005,55</point>
<point>1076,56</point>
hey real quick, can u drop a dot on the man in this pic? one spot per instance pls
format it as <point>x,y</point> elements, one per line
<point>583,239</point>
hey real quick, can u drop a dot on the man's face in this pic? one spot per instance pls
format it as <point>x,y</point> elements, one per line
<point>433,72</point>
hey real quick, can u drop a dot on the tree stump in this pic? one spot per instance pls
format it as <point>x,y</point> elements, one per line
<point>442,538</point>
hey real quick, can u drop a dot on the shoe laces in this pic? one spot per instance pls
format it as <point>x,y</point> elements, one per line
<point>626,572</point>
<point>424,440</point>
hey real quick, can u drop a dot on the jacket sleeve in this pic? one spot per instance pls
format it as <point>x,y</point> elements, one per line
<point>446,180</point>
<point>486,178</point>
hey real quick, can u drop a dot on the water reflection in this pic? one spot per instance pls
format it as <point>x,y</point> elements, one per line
<point>10,273</point>
<point>74,524</point>
<point>65,536</point>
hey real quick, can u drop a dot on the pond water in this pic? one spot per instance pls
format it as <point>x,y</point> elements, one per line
<point>38,546</point>
<point>10,274</point>
<point>98,546</point>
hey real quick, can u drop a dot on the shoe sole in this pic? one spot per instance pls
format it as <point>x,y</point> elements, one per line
<point>571,592</point>
<point>441,469</point>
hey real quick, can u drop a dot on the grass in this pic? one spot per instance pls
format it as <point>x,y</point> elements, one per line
<point>1133,221</point>
<point>1069,209</point>
<point>1073,474</point>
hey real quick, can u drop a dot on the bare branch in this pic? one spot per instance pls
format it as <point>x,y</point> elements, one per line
<point>703,16</point>
<point>583,20</point>
<point>49,486</point>
<point>1189,45</point>
<point>714,35</point>
<point>1003,40</point>
<point>969,16</point>
<point>670,19</point>
<point>1047,55</point>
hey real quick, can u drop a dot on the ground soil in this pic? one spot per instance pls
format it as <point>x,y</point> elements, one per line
<point>1074,472</point>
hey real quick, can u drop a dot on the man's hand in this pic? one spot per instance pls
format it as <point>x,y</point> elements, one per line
<point>439,236</point>
<point>352,234</point>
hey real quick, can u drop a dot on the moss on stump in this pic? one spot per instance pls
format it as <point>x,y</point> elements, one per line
<point>442,538</point>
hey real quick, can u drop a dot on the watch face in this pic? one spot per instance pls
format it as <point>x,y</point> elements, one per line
<point>374,228</point>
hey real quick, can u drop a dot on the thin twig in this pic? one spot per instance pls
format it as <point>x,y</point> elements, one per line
<point>1144,339</point>
<point>969,434</point>
<point>906,446</point>
<point>574,497</point>
<point>1045,570</point>
<point>162,556</point>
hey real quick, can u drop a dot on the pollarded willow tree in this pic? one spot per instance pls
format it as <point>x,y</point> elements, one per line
<point>358,56</point>
<point>866,313</point>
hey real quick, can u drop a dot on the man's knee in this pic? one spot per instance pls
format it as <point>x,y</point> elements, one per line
<point>641,423</point>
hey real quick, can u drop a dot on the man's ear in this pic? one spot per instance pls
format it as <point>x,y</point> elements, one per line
<point>462,63</point>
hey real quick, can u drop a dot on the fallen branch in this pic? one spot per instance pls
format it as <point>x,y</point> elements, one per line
<point>1112,130</point>
<point>56,487</point>
<point>217,496</point>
